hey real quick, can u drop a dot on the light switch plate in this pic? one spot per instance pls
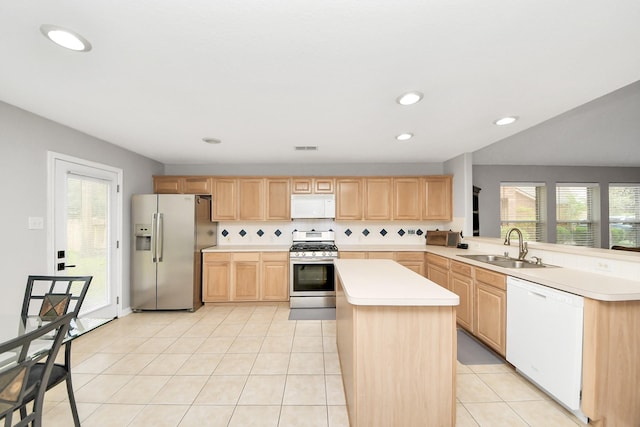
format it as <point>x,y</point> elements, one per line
<point>36,223</point>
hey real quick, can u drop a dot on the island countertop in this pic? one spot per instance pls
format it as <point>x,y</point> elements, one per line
<point>387,283</point>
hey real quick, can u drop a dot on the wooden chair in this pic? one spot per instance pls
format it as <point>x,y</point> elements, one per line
<point>51,296</point>
<point>23,380</point>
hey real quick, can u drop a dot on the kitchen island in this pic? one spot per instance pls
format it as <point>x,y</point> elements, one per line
<point>396,337</point>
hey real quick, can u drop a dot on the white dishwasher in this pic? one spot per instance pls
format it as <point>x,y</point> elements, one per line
<point>544,338</point>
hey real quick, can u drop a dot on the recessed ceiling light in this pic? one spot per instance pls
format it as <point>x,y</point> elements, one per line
<point>66,38</point>
<point>409,98</point>
<point>404,136</point>
<point>505,120</point>
<point>212,140</point>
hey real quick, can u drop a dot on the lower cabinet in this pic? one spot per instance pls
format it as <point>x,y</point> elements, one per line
<point>438,270</point>
<point>491,309</point>
<point>245,276</point>
<point>412,260</point>
<point>461,284</point>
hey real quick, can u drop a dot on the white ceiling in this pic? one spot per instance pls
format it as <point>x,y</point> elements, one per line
<point>265,76</point>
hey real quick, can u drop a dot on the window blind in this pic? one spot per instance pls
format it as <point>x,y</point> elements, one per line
<point>576,217</point>
<point>523,206</point>
<point>624,215</point>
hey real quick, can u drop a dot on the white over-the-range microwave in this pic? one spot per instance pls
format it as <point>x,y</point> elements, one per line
<point>313,206</point>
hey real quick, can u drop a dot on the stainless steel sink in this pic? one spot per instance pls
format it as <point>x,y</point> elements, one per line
<point>502,261</point>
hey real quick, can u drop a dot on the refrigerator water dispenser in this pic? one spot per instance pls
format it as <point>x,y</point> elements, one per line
<point>143,237</point>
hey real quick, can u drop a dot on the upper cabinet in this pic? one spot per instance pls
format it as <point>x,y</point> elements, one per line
<point>348,198</point>
<point>378,199</point>
<point>438,198</point>
<point>312,185</point>
<point>410,198</point>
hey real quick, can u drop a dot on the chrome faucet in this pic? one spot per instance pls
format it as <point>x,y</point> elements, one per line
<point>522,246</point>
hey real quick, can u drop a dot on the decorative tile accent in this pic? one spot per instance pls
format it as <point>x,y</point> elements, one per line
<point>419,232</point>
<point>401,232</point>
<point>365,232</point>
<point>260,233</point>
<point>278,233</point>
<point>348,232</point>
<point>383,232</point>
<point>242,233</point>
<point>225,233</point>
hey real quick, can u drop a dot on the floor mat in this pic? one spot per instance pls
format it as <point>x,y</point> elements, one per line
<point>471,352</point>
<point>312,314</point>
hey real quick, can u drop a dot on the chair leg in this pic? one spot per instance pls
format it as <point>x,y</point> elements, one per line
<point>72,401</point>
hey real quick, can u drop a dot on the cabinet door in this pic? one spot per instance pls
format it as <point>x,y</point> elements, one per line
<point>348,199</point>
<point>380,255</point>
<point>275,277</point>
<point>278,199</point>
<point>251,199</point>
<point>302,185</point>
<point>406,199</point>
<point>412,260</point>
<point>225,199</point>
<point>197,185</point>
<point>216,277</point>
<point>463,287</point>
<point>168,184</point>
<point>490,321</point>
<point>377,198</point>
<point>439,275</point>
<point>323,185</point>
<point>437,198</point>
<point>245,281</point>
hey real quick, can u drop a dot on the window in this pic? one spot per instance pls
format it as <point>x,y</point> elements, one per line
<point>523,206</point>
<point>624,215</point>
<point>577,214</point>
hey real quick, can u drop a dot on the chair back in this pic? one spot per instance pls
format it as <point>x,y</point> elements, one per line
<point>53,296</point>
<point>17,357</point>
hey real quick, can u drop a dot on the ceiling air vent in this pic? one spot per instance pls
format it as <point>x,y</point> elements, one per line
<point>306,148</point>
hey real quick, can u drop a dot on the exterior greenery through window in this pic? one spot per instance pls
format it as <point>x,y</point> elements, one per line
<point>523,206</point>
<point>624,215</point>
<point>577,214</point>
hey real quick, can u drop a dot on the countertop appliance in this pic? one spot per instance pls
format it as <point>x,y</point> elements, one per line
<point>312,282</point>
<point>313,206</point>
<point>544,339</point>
<point>443,238</point>
<point>169,232</point>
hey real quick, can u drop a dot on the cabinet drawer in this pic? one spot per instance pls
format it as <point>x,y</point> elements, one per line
<point>213,256</point>
<point>380,255</point>
<point>496,280</point>
<point>438,260</point>
<point>461,268</point>
<point>275,256</point>
<point>352,255</point>
<point>410,256</point>
<point>246,256</point>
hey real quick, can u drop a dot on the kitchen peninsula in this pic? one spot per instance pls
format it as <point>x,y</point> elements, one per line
<point>396,336</point>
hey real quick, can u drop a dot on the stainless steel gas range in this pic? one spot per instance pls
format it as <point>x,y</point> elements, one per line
<point>312,277</point>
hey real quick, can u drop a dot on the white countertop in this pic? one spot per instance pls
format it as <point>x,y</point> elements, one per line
<point>248,248</point>
<point>387,283</point>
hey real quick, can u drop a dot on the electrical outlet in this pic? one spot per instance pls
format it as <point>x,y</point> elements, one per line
<point>603,266</point>
<point>411,231</point>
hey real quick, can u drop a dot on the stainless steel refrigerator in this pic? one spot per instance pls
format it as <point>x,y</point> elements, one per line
<point>169,231</point>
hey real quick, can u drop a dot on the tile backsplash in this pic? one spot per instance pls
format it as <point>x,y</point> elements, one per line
<point>347,232</point>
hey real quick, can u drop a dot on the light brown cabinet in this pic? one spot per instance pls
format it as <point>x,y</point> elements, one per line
<point>461,284</point>
<point>275,276</point>
<point>378,200</point>
<point>412,260</point>
<point>278,199</point>
<point>407,198</point>
<point>251,202</point>
<point>245,276</point>
<point>225,199</point>
<point>167,184</point>
<point>438,269</point>
<point>312,185</point>
<point>349,199</point>
<point>438,200</point>
<point>491,309</point>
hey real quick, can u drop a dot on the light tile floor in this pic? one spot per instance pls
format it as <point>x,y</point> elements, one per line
<point>248,365</point>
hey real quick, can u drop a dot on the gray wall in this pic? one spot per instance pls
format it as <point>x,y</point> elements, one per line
<point>24,141</point>
<point>489,177</point>
<point>333,169</point>
<point>461,169</point>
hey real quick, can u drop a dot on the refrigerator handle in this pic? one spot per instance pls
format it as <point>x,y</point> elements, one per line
<point>154,231</point>
<point>160,236</point>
